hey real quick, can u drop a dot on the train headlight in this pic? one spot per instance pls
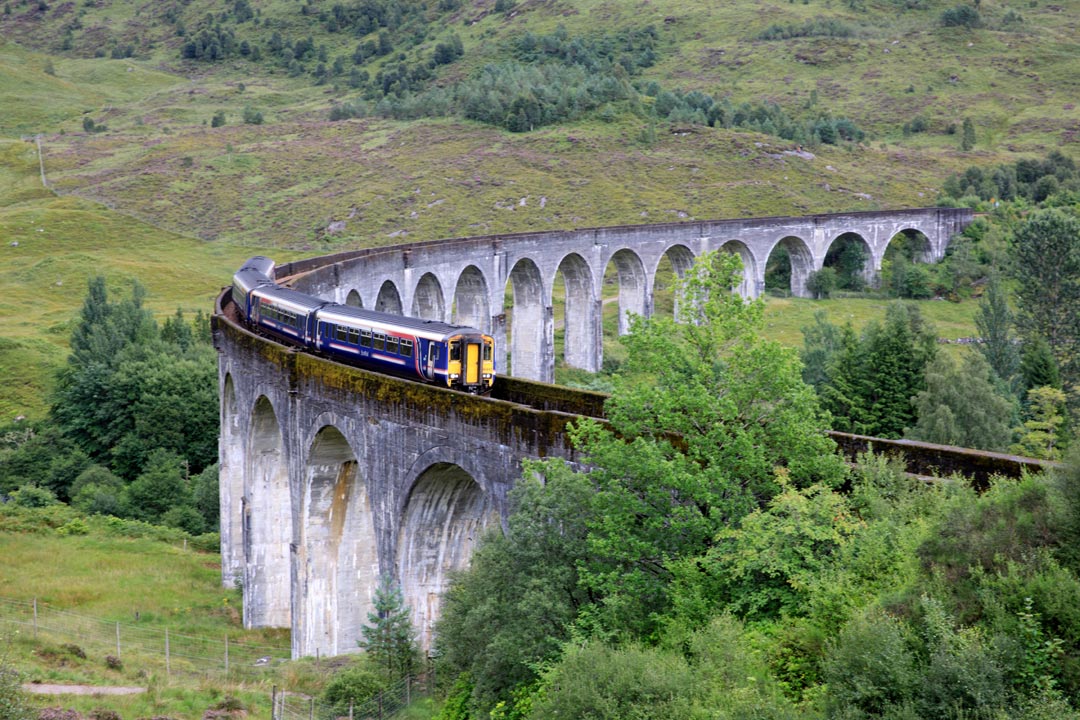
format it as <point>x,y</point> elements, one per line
<point>487,376</point>
<point>454,376</point>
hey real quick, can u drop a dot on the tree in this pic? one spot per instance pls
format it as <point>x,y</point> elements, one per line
<point>821,283</point>
<point>960,406</point>
<point>967,138</point>
<point>875,376</point>
<point>389,639</point>
<point>1039,434</point>
<point>510,612</point>
<point>821,342</point>
<point>1038,367</point>
<point>703,414</point>
<point>1046,264</point>
<point>161,487</point>
<point>218,119</point>
<point>994,322</point>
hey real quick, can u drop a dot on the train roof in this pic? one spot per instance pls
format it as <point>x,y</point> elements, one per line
<point>287,297</point>
<point>260,263</point>
<point>347,314</point>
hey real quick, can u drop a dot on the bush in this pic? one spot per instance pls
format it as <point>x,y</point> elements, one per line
<point>353,685</point>
<point>13,701</point>
<point>252,116</point>
<point>822,283</point>
<point>961,16</point>
<point>870,668</point>
<point>32,496</point>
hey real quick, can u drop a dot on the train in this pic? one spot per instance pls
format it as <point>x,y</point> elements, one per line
<point>438,353</point>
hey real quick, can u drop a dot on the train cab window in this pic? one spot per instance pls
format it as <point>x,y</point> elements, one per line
<point>487,352</point>
<point>354,336</point>
<point>392,344</point>
<point>455,351</point>
<point>406,348</point>
<point>365,338</point>
<point>380,341</point>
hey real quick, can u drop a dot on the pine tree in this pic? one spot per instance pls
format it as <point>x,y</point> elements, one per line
<point>967,139</point>
<point>994,322</point>
<point>390,639</point>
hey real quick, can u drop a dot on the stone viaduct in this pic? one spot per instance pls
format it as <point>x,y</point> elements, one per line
<point>333,476</point>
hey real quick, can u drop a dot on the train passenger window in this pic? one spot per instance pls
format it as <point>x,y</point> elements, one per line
<point>365,338</point>
<point>340,333</point>
<point>392,344</point>
<point>354,336</point>
<point>406,347</point>
<point>455,351</point>
<point>380,341</point>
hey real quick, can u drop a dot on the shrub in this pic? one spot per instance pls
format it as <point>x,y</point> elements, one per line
<point>113,663</point>
<point>822,283</point>
<point>75,650</point>
<point>13,702</point>
<point>353,685</point>
<point>218,120</point>
<point>870,668</point>
<point>32,496</point>
<point>961,16</point>
<point>252,116</point>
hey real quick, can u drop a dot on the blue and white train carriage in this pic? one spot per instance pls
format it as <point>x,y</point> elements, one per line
<point>453,356</point>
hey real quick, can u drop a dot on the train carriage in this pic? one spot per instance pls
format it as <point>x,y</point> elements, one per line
<point>454,356</point>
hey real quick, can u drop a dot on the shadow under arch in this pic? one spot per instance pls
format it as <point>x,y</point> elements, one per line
<point>580,337</point>
<point>231,487</point>
<point>443,518</point>
<point>630,277</point>
<point>471,300</point>
<point>267,526</point>
<point>340,548</point>
<point>853,259</point>
<point>428,302</point>
<point>353,299</point>
<point>389,299</point>
<point>800,263</point>
<point>672,266</point>
<point>748,287</point>
<point>526,317</point>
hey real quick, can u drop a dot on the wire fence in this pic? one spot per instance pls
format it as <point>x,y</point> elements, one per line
<point>121,643</point>
<point>392,700</point>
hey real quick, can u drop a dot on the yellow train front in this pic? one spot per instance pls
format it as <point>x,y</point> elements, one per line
<point>470,362</point>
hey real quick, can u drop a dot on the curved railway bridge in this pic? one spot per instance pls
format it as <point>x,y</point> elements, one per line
<point>332,476</point>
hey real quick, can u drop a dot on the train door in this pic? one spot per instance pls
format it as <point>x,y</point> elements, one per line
<point>472,364</point>
<point>429,361</point>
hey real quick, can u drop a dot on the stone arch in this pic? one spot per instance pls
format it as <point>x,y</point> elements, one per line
<point>389,299</point>
<point>681,259</point>
<point>920,247</point>
<point>353,299</point>
<point>530,324</point>
<point>853,258</point>
<point>341,567</point>
<point>632,282</point>
<point>581,337</point>
<point>428,300</point>
<point>444,515</point>
<point>471,300</point>
<point>800,263</point>
<point>748,287</point>
<point>267,525</point>
<point>231,487</point>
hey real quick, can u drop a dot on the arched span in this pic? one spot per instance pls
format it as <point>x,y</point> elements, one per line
<point>581,339</point>
<point>389,299</point>
<point>681,259</point>
<point>630,274</point>
<point>529,333</point>
<point>915,245</point>
<point>231,487</point>
<point>340,549</point>
<point>267,525</point>
<point>748,287</point>
<point>471,300</point>
<point>428,299</point>
<point>801,262</point>
<point>353,299</point>
<point>853,259</point>
<point>444,516</point>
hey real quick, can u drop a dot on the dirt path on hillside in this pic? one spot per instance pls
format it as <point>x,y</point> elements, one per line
<point>44,689</point>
